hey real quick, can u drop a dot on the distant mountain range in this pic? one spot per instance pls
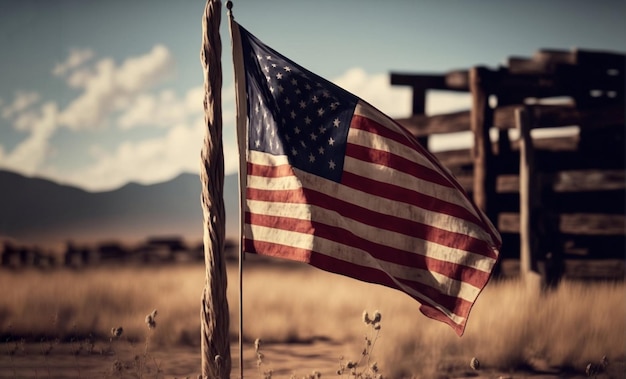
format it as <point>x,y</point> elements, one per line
<point>35,210</point>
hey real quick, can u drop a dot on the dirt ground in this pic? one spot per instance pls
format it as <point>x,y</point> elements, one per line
<point>67,360</point>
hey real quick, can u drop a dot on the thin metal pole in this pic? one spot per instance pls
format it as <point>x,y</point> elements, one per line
<point>240,97</point>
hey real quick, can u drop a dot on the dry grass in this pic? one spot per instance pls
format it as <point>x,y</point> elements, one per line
<point>510,326</point>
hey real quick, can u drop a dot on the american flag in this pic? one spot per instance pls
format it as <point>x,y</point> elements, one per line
<point>333,182</point>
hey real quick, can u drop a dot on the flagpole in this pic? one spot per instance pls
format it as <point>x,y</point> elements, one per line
<point>215,341</point>
<point>241,122</point>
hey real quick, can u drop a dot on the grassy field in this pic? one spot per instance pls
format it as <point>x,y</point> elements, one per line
<point>510,328</point>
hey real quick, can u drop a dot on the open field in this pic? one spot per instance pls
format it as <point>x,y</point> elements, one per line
<point>58,324</point>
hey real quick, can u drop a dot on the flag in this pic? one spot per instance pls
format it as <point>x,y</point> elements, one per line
<point>329,180</point>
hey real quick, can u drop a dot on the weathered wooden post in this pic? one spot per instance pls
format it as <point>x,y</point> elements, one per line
<point>481,120</point>
<point>530,194</point>
<point>216,361</point>
<point>481,84</point>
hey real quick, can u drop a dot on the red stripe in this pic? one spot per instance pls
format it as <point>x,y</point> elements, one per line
<point>378,251</point>
<point>374,219</point>
<point>270,171</point>
<point>400,136</point>
<point>275,250</point>
<point>396,162</point>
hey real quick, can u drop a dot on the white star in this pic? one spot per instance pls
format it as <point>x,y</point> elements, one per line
<point>320,112</point>
<point>279,75</point>
<point>331,141</point>
<point>302,104</point>
<point>308,86</point>
<point>336,123</point>
<point>331,165</point>
<point>293,114</point>
<point>307,120</point>
<point>326,94</point>
<point>294,152</point>
<point>268,57</point>
<point>322,129</point>
<point>294,82</point>
<point>321,150</point>
<point>303,144</point>
<point>313,136</point>
<point>257,143</point>
<point>296,130</point>
<point>334,105</point>
<point>287,101</point>
<point>315,99</point>
<point>287,68</point>
<point>311,158</point>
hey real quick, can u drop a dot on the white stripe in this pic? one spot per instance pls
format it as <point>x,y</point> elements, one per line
<point>265,159</point>
<point>365,110</point>
<point>358,257</point>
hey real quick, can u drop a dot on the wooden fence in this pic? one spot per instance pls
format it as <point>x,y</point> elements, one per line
<point>561,206</point>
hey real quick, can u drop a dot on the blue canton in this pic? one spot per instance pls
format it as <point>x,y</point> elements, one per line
<point>294,112</point>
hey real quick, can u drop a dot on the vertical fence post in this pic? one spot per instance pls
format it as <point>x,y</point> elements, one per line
<point>215,343</point>
<point>481,120</point>
<point>530,199</point>
<point>481,84</point>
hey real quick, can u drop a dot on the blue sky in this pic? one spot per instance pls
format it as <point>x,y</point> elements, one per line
<point>99,93</point>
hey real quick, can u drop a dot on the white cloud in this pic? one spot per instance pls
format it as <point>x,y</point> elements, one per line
<point>148,161</point>
<point>75,59</point>
<point>152,160</point>
<point>164,109</point>
<point>30,154</point>
<point>395,101</point>
<point>141,72</point>
<point>21,102</point>
<point>375,89</point>
<point>440,102</point>
<point>109,88</point>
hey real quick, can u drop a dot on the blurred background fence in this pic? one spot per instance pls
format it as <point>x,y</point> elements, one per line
<point>569,219</point>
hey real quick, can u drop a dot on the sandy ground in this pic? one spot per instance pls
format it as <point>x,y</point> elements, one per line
<point>285,360</point>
